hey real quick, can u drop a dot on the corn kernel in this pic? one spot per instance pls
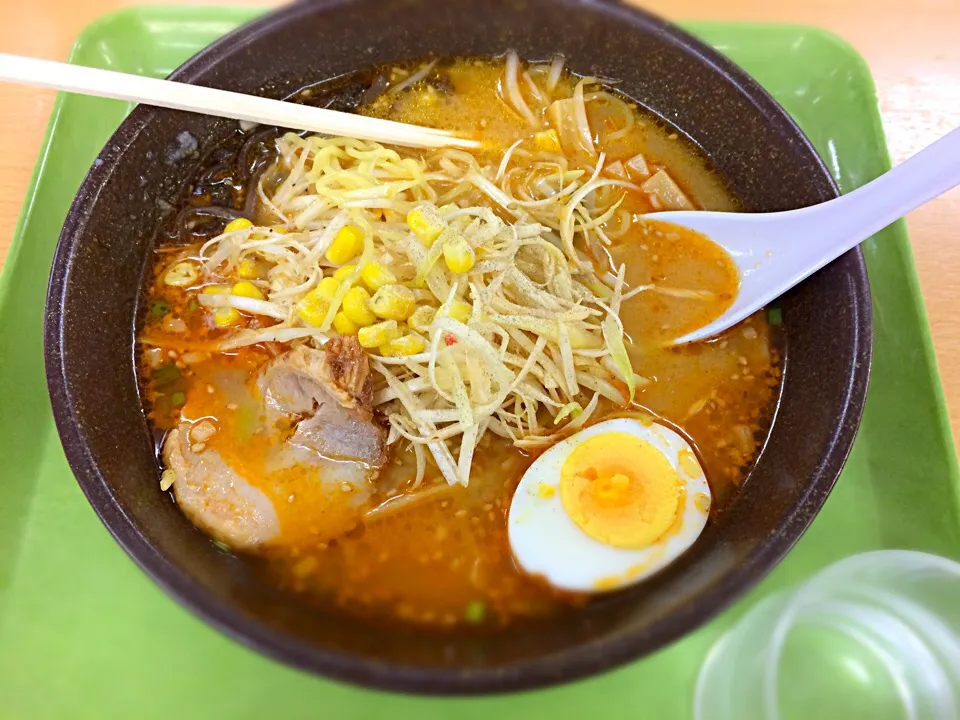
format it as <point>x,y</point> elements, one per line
<point>216,290</point>
<point>422,318</point>
<point>346,245</point>
<point>315,305</point>
<point>426,223</point>
<point>248,269</point>
<point>379,334</point>
<point>344,272</point>
<point>548,141</point>
<point>458,255</point>
<point>327,288</point>
<point>356,307</point>
<point>247,289</point>
<point>238,224</point>
<point>393,302</point>
<point>375,276</point>
<point>226,316</point>
<point>313,309</point>
<point>459,310</point>
<point>344,325</point>
<point>404,346</point>
<point>181,274</point>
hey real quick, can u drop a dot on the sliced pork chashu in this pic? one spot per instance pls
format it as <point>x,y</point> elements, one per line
<point>215,498</point>
<point>326,397</point>
<point>329,393</point>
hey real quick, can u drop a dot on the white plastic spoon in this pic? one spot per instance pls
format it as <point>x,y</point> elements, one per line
<point>210,101</point>
<point>775,251</point>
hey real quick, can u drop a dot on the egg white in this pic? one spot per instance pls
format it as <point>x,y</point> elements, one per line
<point>546,541</point>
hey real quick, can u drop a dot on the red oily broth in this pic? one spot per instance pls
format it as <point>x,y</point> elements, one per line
<point>441,557</point>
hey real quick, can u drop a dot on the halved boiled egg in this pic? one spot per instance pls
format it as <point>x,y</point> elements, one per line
<point>608,506</point>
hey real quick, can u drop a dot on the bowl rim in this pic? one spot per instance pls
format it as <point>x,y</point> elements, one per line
<point>562,666</point>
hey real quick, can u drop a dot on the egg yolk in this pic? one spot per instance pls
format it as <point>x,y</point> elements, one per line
<point>620,490</point>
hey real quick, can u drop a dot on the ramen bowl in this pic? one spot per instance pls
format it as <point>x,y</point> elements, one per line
<point>102,264</point>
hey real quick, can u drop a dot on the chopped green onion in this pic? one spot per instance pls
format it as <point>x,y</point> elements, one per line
<point>192,305</point>
<point>178,399</point>
<point>222,546</point>
<point>159,309</point>
<point>775,316</point>
<point>167,374</point>
<point>475,612</point>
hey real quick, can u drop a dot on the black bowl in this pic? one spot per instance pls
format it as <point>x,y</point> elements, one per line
<point>99,271</point>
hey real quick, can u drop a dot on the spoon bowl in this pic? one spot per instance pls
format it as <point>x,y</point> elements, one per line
<point>776,251</point>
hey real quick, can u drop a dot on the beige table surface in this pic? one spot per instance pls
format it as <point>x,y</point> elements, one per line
<point>912,47</point>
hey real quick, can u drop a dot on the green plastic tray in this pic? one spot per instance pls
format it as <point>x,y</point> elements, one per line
<point>83,633</point>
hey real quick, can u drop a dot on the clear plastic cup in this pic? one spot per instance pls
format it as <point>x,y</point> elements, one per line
<point>874,636</point>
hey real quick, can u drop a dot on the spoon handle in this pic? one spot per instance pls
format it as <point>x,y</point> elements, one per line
<point>854,217</point>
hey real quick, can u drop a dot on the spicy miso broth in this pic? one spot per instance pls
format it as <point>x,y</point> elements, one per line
<point>353,352</point>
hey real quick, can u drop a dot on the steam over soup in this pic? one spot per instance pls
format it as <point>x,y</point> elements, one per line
<point>352,354</point>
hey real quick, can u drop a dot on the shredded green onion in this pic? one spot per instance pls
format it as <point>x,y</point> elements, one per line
<point>613,334</point>
<point>572,409</point>
<point>525,331</point>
